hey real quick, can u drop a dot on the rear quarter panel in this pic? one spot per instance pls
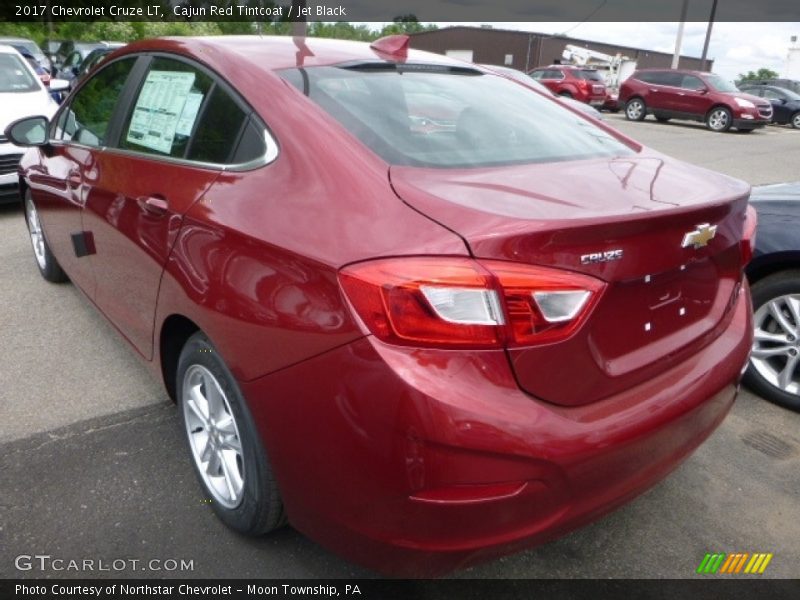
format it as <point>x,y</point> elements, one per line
<point>255,263</point>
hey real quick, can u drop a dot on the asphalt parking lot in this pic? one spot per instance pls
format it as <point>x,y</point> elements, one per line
<point>93,464</point>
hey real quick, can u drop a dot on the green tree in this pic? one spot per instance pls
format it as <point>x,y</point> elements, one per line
<point>407,24</point>
<point>762,73</point>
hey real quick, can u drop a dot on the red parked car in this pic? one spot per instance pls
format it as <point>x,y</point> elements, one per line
<point>422,347</point>
<point>582,83</point>
<point>692,95</point>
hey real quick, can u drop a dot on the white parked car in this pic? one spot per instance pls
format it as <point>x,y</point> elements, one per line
<point>22,94</point>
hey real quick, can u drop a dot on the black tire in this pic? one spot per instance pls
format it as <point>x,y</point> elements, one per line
<point>45,261</point>
<point>635,109</point>
<point>260,508</point>
<point>719,119</point>
<point>565,95</point>
<point>794,121</point>
<point>765,291</point>
<point>663,119</point>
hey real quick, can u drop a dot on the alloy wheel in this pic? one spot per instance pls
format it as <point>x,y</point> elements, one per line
<point>718,120</point>
<point>213,436</point>
<point>776,347</point>
<point>796,121</point>
<point>634,110</point>
<point>37,236</point>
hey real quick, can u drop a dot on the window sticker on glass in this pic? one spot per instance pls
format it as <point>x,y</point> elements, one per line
<point>159,109</point>
<point>189,114</point>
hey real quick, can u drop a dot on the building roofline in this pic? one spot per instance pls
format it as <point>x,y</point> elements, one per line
<point>550,36</point>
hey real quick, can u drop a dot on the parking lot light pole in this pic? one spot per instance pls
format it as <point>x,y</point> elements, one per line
<point>708,35</point>
<point>679,40</point>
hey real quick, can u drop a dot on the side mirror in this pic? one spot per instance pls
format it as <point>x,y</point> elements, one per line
<point>30,131</point>
<point>702,90</point>
<point>59,85</point>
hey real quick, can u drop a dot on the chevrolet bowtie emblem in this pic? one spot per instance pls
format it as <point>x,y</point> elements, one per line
<point>700,236</point>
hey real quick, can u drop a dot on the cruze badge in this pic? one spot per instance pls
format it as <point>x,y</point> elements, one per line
<point>601,257</point>
<point>700,236</point>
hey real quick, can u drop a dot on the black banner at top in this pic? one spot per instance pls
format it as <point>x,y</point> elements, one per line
<point>430,11</point>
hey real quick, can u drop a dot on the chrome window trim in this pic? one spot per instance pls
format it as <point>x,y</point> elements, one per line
<point>267,158</point>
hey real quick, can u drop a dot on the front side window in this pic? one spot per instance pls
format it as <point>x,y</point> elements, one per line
<point>440,117</point>
<point>15,76</point>
<point>720,84</point>
<point>690,82</point>
<point>86,120</point>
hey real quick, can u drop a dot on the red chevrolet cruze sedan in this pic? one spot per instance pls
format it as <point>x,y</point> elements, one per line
<point>423,328</point>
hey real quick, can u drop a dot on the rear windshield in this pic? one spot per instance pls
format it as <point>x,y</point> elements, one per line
<point>438,117</point>
<point>589,75</point>
<point>15,76</point>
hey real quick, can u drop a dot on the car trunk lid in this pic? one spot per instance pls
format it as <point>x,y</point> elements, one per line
<point>621,220</point>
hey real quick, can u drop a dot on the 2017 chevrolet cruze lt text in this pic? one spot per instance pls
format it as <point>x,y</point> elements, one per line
<point>423,327</point>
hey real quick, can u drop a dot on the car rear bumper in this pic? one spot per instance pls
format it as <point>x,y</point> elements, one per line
<point>415,462</point>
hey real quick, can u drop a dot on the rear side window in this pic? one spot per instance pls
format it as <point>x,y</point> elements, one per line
<point>650,77</point>
<point>770,94</point>
<point>661,78</point>
<point>180,111</point>
<point>588,75</point>
<point>88,116</point>
<point>219,130</point>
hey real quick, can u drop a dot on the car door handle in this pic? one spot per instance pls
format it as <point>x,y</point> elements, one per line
<point>155,205</point>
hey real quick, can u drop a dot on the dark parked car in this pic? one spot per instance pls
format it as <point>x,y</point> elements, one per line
<point>692,95</point>
<point>76,55</point>
<point>423,347</point>
<point>92,59</point>
<point>787,84</point>
<point>581,83</point>
<point>774,274</point>
<point>785,103</point>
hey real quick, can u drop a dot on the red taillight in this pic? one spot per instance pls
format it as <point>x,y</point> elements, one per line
<point>460,302</point>
<point>543,304</point>
<point>749,234</point>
